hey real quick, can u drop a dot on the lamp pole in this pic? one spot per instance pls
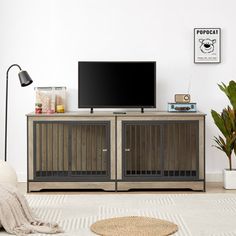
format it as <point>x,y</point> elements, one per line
<point>24,80</point>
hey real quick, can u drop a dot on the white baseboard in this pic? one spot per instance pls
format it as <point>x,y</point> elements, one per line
<point>210,177</point>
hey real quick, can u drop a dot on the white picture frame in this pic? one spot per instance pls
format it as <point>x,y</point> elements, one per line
<point>207,45</point>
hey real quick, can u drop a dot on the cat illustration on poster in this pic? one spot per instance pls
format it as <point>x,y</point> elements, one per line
<point>207,45</point>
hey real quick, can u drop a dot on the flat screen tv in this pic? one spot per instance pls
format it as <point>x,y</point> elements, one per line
<point>117,84</point>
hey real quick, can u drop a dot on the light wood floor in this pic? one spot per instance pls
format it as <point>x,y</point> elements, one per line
<point>212,187</point>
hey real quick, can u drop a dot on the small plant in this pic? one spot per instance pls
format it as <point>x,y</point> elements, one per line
<point>226,123</point>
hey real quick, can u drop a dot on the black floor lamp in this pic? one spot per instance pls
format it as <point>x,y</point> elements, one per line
<point>25,80</point>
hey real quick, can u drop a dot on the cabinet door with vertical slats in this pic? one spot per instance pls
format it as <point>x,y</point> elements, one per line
<point>141,149</point>
<point>164,150</point>
<point>71,150</point>
<point>180,149</point>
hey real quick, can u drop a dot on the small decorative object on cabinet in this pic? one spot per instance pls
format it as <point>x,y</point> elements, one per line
<point>182,107</point>
<point>225,121</point>
<point>182,98</point>
<point>79,150</point>
<point>50,99</point>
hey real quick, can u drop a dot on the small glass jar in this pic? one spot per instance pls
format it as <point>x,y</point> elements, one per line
<point>44,96</point>
<point>50,99</point>
<point>60,93</point>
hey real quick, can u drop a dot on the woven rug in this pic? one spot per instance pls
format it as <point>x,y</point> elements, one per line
<point>196,214</point>
<point>133,226</point>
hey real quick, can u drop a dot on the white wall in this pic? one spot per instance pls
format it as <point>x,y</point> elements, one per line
<point>49,37</point>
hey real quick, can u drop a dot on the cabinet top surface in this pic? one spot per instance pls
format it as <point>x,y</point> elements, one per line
<point>111,114</point>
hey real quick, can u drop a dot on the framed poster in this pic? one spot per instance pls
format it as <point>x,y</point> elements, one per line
<point>207,45</point>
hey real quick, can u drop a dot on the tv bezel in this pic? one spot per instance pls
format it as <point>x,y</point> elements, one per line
<point>123,106</point>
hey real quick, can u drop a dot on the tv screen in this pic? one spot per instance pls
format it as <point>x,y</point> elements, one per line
<point>117,84</point>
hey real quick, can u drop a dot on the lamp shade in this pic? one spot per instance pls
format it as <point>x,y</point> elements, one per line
<point>25,79</point>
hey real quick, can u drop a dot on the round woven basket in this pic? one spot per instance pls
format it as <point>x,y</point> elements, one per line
<point>133,226</point>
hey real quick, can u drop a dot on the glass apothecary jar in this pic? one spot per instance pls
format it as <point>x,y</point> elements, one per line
<point>60,94</point>
<point>50,99</point>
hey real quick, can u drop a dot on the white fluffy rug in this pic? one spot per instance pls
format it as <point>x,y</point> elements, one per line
<point>197,214</point>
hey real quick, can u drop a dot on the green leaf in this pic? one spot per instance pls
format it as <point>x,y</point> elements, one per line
<point>223,88</point>
<point>232,117</point>
<point>227,122</point>
<point>218,148</point>
<point>222,141</point>
<point>232,93</point>
<point>219,122</point>
<point>234,149</point>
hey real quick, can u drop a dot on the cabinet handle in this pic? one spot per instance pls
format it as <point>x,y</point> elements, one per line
<point>127,149</point>
<point>104,150</point>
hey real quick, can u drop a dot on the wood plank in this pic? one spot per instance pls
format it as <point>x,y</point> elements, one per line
<point>113,149</point>
<point>180,158</point>
<point>140,149</point>
<point>79,147</point>
<point>44,147</point>
<point>149,132</point>
<point>167,143</point>
<point>55,146</point>
<point>194,147</point>
<point>158,150</point>
<point>105,114</point>
<point>84,153</point>
<point>66,147</point>
<point>202,148</point>
<point>119,160</point>
<point>194,185</point>
<point>49,147</point>
<point>93,147</point>
<point>60,146</point>
<point>99,148</point>
<point>88,149</point>
<point>137,154</point>
<point>38,148</point>
<point>152,153</point>
<point>37,186</point>
<point>104,154</point>
<point>133,149</point>
<point>30,144</point>
<point>187,144</point>
<point>74,141</point>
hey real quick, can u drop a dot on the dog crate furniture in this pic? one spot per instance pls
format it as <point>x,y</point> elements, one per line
<point>78,150</point>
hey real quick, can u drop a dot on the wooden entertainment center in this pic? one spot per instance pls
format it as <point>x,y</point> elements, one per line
<point>116,152</point>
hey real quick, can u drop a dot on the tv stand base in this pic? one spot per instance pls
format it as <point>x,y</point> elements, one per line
<point>193,185</point>
<point>38,186</point>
